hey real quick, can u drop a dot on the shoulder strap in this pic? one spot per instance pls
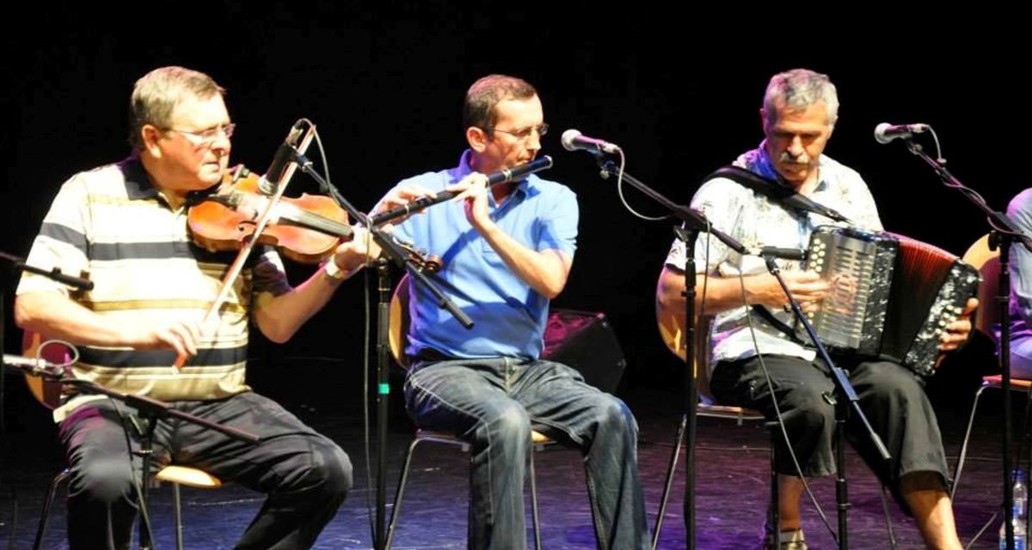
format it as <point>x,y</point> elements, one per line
<point>781,326</point>
<point>786,196</point>
<point>769,188</point>
<point>776,191</point>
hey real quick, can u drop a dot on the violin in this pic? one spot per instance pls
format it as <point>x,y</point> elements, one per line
<point>306,229</point>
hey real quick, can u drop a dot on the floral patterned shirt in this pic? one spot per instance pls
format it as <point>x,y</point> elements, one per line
<point>757,221</point>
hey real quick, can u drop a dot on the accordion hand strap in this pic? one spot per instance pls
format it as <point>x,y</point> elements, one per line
<point>776,191</point>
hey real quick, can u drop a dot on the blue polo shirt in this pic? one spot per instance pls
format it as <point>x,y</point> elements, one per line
<point>509,316</point>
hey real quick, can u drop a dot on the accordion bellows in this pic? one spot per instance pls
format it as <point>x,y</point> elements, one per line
<point>891,296</point>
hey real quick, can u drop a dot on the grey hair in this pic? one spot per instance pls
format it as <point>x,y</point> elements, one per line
<point>157,94</point>
<point>798,89</point>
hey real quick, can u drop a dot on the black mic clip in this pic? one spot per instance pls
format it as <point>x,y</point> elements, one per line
<point>783,253</point>
<point>286,158</point>
<point>422,260</point>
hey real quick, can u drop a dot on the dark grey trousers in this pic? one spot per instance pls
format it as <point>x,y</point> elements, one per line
<point>305,475</point>
<point>891,396</point>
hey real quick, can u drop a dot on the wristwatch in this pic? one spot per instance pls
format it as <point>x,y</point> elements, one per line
<point>334,271</point>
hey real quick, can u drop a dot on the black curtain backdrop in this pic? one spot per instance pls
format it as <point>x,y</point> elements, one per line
<point>678,89</point>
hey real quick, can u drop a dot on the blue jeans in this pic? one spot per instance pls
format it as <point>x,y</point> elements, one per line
<point>494,403</point>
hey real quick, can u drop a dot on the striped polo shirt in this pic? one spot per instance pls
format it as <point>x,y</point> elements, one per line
<point>113,225</point>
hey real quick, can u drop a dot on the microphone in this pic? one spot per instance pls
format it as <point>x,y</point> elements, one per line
<point>516,173</point>
<point>806,204</point>
<point>79,283</point>
<point>278,172</point>
<point>786,253</point>
<point>573,140</point>
<point>885,132</point>
<point>34,366</point>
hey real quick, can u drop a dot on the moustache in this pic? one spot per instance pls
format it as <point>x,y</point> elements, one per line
<point>789,159</point>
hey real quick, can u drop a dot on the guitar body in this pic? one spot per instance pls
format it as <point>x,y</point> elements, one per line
<point>46,391</point>
<point>671,330</point>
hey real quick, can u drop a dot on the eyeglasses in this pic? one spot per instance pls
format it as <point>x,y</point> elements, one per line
<point>208,136</point>
<point>524,134</point>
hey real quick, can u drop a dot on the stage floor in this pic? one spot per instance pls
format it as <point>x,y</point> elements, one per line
<point>732,472</point>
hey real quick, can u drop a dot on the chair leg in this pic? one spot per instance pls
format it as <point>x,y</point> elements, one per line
<point>669,480</point>
<point>888,524</point>
<point>400,492</point>
<point>534,503</point>
<point>41,529</point>
<point>403,480</point>
<point>177,503</point>
<point>964,446</point>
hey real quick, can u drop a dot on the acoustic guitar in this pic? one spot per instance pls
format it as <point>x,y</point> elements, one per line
<point>672,333</point>
<point>45,390</point>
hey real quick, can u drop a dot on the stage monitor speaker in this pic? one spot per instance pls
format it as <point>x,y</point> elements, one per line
<point>585,341</point>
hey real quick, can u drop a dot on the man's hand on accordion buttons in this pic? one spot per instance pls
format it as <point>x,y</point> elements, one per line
<point>806,287</point>
<point>958,331</point>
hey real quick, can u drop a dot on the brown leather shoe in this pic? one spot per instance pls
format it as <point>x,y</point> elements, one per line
<point>790,540</point>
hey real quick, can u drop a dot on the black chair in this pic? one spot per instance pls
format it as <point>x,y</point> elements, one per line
<point>672,335</point>
<point>175,475</point>
<point>397,334</point>
<point>48,394</point>
<point>988,263</point>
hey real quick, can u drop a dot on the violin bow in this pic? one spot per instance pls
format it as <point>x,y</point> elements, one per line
<point>304,130</point>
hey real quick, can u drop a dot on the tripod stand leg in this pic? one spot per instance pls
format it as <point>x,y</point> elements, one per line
<point>669,481</point>
<point>775,493</point>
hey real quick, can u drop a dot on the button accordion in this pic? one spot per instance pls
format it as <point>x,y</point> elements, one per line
<point>890,298</point>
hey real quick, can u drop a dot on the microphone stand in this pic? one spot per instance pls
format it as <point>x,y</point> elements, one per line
<point>1003,234</point>
<point>697,222</point>
<point>694,222</point>
<point>846,390</point>
<point>402,258</point>
<point>150,411</point>
<point>78,283</point>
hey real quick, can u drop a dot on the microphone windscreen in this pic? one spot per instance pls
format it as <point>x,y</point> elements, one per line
<point>879,133</point>
<point>568,137</point>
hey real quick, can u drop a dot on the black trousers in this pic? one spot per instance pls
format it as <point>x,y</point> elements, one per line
<point>891,397</point>
<point>305,475</point>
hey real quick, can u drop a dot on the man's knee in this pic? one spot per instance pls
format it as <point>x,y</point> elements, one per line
<point>336,471</point>
<point>325,470</point>
<point>106,481</point>
<point>810,407</point>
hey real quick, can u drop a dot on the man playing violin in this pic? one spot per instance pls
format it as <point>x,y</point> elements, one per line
<point>507,251</point>
<point>126,225</point>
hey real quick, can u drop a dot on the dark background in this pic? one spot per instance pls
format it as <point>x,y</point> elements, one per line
<point>678,89</point>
